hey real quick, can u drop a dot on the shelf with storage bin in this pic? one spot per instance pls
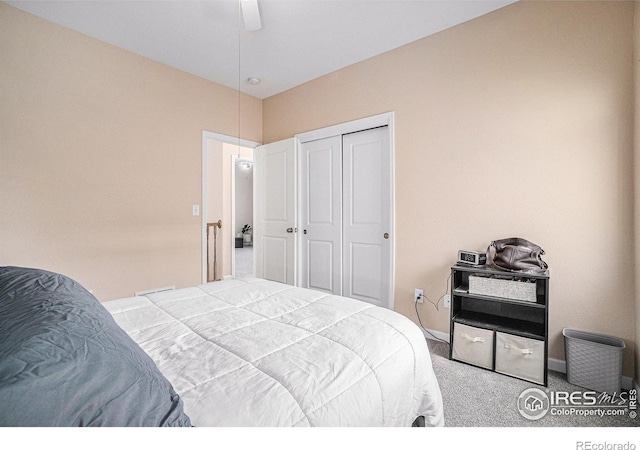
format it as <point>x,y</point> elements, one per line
<point>510,332</point>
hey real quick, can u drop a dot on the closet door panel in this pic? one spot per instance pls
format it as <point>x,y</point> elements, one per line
<point>321,212</point>
<point>321,254</point>
<point>320,173</point>
<point>365,272</point>
<point>364,176</point>
<point>367,222</point>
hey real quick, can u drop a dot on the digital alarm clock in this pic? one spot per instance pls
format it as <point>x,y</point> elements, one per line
<point>472,258</point>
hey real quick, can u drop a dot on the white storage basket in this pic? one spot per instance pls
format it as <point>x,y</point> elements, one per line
<point>473,345</point>
<point>520,357</point>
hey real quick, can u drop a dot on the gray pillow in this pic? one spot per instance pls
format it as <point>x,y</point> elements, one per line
<point>65,362</point>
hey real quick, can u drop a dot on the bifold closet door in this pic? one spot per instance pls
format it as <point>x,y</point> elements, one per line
<point>345,187</point>
<point>321,215</point>
<point>367,216</point>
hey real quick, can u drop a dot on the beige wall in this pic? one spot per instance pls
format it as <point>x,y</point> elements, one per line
<point>100,158</point>
<point>518,123</point>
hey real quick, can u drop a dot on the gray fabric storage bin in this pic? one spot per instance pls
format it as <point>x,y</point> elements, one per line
<point>594,361</point>
<point>503,286</point>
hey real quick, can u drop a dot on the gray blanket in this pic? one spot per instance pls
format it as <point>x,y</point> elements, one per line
<point>65,362</point>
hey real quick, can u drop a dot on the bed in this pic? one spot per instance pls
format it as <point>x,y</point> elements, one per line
<point>258,353</point>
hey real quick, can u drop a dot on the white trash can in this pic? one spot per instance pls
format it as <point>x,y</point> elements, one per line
<point>594,361</point>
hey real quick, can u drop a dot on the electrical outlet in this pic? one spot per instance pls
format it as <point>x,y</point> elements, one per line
<point>417,296</point>
<point>447,301</point>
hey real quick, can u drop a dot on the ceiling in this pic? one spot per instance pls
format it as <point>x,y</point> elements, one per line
<point>300,39</point>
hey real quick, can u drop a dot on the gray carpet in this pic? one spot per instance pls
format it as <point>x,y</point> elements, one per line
<point>475,397</point>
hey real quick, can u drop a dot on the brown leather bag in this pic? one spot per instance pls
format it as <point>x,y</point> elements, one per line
<point>516,255</point>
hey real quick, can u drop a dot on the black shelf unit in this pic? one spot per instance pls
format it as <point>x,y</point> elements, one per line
<point>519,318</point>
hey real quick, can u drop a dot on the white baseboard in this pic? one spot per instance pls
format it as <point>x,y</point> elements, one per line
<point>629,383</point>
<point>557,365</point>
<point>435,335</point>
<point>154,291</point>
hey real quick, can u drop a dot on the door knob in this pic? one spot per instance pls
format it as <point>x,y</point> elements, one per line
<point>289,230</point>
<point>386,235</point>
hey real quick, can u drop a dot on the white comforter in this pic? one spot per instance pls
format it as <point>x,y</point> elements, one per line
<point>258,353</point>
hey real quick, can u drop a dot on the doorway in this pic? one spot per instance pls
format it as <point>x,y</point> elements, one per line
<point>219,155</point>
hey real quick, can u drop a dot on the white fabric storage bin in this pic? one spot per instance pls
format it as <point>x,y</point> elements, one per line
<point>473,345</point>
<point>520,357</point>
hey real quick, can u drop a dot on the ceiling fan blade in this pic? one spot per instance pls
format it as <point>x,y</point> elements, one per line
<point>251,15</point>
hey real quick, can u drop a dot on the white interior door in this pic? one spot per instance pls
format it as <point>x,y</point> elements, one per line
<point>274,211</point>
<point>321,215</point>
<point>366,194</point>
